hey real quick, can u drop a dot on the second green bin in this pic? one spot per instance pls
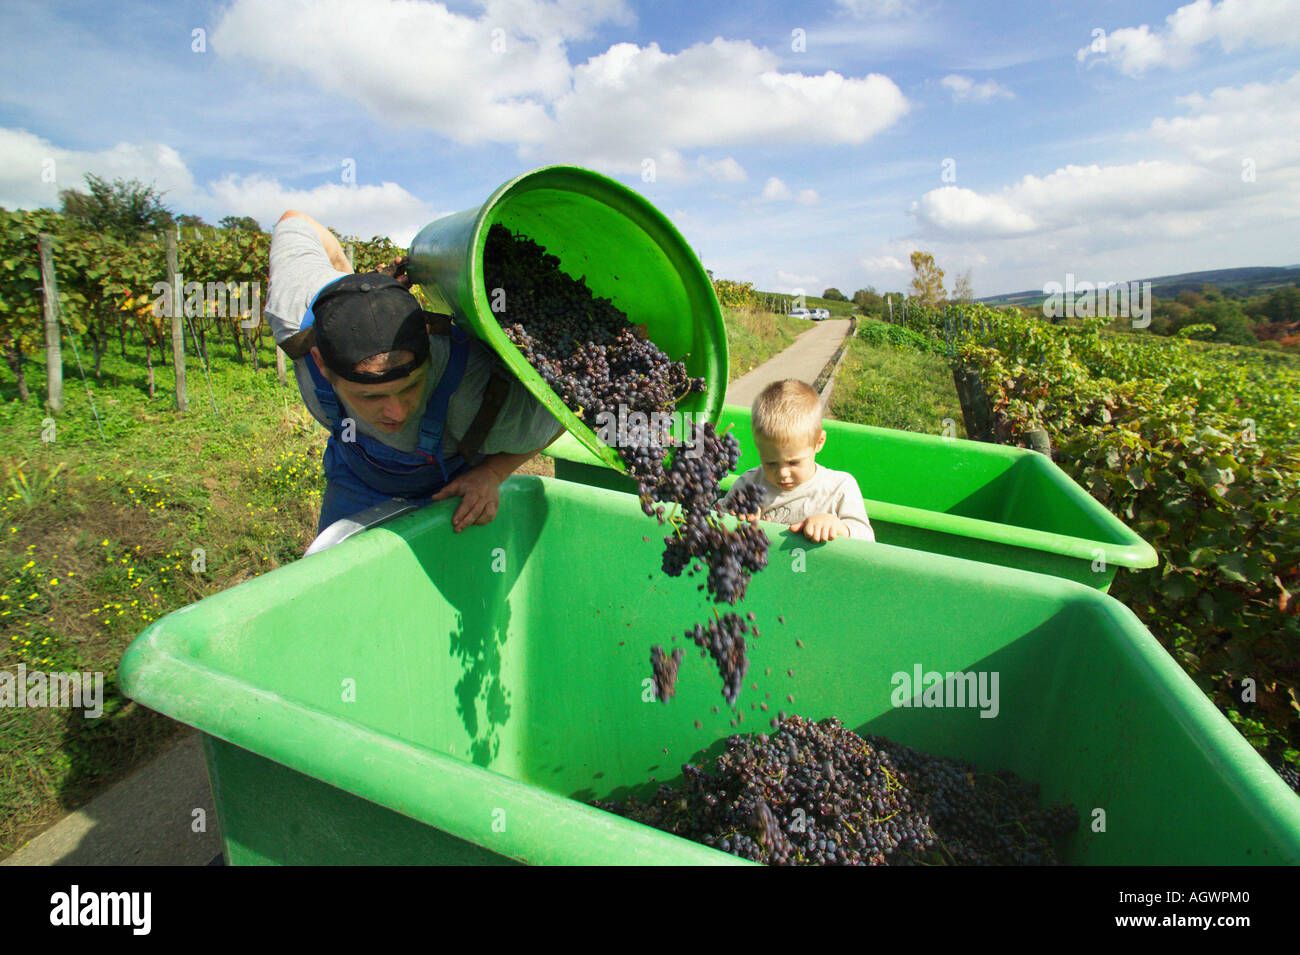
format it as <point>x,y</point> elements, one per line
<point>985,502</point>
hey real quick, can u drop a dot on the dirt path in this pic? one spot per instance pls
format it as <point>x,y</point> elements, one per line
<point>803,360</point>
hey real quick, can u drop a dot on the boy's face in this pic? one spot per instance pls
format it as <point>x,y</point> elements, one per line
<point>788,464</point>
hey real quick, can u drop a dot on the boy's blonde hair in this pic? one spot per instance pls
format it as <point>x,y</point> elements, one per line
<point>787,411</point>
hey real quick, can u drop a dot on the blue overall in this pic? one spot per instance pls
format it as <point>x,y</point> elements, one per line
<point>364,472</point>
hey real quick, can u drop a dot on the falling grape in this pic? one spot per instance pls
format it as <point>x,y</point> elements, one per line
<point>603,367</point>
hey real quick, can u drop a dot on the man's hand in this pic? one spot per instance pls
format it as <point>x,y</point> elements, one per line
<point>479,489</point>
<point>397,269</point>
<point>821,527</point>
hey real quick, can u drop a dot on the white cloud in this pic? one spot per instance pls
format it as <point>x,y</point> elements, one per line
<point>632,101</point>
<point>877,8</point>
<point>505,77</point>
<point>791,279</point>
<point>25,166</point>
<point>363,211</point>
<point>473,79</point>
<point>776,190</point>
<point>566,19</point>
<point>1233,23</point>
<point>964,89</point>
<point>960,211</point>
<point>1063,198</point>
<point>724,170</point>
<point>1258,121</point>
<point>885,263</point>
<point>1233,160</point>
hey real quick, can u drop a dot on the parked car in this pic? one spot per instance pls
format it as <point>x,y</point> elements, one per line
<point>800,313</point>
<point>818,314</point>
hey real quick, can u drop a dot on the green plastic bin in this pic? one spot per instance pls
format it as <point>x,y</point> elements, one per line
<point>626,249</point>
<point>415,696</point>
<point>969,499</point>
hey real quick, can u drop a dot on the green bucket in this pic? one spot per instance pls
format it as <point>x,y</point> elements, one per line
<point>624,247</point>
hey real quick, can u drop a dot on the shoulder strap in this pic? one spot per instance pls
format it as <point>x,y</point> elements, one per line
<point>494,395</point>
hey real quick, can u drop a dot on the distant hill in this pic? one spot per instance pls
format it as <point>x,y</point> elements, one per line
<point>1245,282</point>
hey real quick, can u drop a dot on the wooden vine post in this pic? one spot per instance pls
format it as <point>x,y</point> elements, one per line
<point>178,334</point>
<point>53,352</point>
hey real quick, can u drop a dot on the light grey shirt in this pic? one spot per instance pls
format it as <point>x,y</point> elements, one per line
<point>826,492</point>
<point>300,268</point>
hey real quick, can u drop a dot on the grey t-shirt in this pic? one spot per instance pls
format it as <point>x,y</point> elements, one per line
<point>300,269</point>
<point>826,492</point>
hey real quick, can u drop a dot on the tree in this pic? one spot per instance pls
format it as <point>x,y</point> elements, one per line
<point>927,279</point>
<point>868,300</point>
<point>1230,323</point>
<point>834,295</point>
<point>961,290</point>
<point>192,222</point>
<point>124,208</point>
<point>1283,305</point>
<point>240,223</point>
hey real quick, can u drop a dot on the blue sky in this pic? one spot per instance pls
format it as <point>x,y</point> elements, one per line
<point>796,145</point>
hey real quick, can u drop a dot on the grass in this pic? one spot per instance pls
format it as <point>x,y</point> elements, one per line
<point>753,337</point>
<point>896,387</point>
<point>101,536</point>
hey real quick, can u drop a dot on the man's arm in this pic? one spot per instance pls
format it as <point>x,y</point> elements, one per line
<point>503,465</point>
<point>332,247</point>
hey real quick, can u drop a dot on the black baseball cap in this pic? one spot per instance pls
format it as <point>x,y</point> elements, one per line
<point>360,316</point>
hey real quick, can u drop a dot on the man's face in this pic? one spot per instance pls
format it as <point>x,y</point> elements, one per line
<point>788,464</point>
<point>384,406</point>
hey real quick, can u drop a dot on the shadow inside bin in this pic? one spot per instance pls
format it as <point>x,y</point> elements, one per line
<point>478,641</point>
<point>478,583</point>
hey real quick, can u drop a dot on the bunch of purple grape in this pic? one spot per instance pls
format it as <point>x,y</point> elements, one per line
<point>724,640</point>
<point>818,794</point>
<point>665,669</point>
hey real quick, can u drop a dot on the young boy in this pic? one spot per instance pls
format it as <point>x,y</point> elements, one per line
<point>821,503</point>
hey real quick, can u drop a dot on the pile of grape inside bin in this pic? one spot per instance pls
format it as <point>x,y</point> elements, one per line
<point>818,794</point>
<point>599,363</point>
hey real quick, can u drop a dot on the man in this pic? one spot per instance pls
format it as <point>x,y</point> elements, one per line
<point>416,408</point>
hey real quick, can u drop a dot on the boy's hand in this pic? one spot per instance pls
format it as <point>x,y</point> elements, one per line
<point>397,269</point>
<point>821,527</point>
<point>479,488</point>
<point>752,518</point>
